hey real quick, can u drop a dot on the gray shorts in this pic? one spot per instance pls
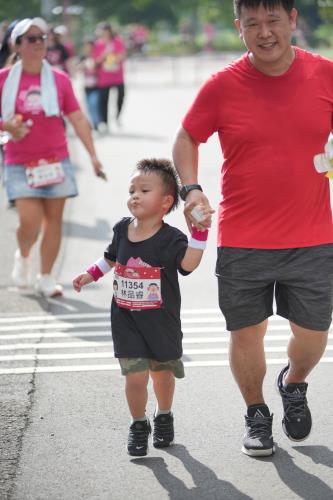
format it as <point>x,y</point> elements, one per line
<point>300,279</point>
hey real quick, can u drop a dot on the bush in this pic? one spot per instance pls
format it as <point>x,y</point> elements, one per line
<point>174,44</point>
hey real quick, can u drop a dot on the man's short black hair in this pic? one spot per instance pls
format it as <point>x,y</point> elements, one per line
<point>167,172</point>
<point>254,4</point>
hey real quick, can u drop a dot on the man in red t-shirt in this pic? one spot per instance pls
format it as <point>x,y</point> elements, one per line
<point>273,111</point>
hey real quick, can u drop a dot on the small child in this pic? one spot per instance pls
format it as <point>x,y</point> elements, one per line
<point>146,254</point>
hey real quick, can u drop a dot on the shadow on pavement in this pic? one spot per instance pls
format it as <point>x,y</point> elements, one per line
<point>305,485</point>
<point>319,454</point>
<point>65,305</point>
<point>207,485</point>
<point>136,136</point>
<point>101,231</point>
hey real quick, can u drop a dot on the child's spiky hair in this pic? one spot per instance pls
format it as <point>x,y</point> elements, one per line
<point>166,171</point>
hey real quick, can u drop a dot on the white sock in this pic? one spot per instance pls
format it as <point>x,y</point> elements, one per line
<point>161,412</point>
<point>140,419</point>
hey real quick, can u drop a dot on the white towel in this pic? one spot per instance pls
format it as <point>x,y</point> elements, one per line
<point>49,94</point>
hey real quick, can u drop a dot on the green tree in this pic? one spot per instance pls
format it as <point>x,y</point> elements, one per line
<point>18,10</point>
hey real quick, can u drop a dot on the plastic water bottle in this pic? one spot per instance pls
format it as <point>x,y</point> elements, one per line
<point>324,162</point>
<point>6,136</point>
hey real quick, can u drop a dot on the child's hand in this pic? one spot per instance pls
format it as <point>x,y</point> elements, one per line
<point>82,280</point>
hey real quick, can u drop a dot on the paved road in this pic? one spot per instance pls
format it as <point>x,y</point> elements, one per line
<point>63,415</point>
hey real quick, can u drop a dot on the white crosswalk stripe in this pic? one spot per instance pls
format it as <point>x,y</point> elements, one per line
<point>73,342</point>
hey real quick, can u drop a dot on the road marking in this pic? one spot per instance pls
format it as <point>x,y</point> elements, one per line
<point>103,324</point>
<point>24,317</point>
<point>67,325</point>
<point>79,341</point>
<point>107,333</point>
<point>112,367</point>
<point>87,344</point>
<point>110,354</point>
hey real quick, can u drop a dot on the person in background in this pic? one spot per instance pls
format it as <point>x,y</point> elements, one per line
<point>7,58</point>
<point>110,54</point>
<point>3,28</point>
<point>38,175</point>
<point>87,66</point>
<point>56,54</point>
<point>273,111</point>
<point>7,54</point>
<point>64,39</point>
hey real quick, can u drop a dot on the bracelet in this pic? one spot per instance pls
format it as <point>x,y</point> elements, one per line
<point>98,269</point>
<point>198,239</point>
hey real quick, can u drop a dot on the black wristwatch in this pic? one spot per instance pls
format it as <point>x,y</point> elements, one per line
<point>187,188</point>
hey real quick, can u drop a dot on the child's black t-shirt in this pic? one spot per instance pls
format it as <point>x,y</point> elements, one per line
<point>145,310</point>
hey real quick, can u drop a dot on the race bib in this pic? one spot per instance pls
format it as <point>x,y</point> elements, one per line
<point>44,173</point>
<point>137,288</point>
<point>110,63</point>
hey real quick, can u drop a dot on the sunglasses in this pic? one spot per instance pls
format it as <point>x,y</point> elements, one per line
<point>35,38</point>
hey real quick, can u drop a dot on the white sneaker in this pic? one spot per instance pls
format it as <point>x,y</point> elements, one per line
<point>47,286</point>
<point>102,128</point>
<point>21,274</point>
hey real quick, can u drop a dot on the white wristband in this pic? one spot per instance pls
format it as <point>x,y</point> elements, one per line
<point>103,265</point>
<point>200,245</point>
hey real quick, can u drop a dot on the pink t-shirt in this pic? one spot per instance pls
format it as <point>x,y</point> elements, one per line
<point>269,129</point>
<point>47,137</point>
<point>109,72</point>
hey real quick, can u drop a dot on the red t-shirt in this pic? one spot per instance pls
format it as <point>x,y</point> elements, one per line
<point>269,129</point>
<point>110,72</point>
<point>47,135</point>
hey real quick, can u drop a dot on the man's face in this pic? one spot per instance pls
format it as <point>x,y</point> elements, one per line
<point>267,34</point>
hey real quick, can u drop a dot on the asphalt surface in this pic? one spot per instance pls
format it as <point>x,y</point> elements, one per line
<point>63,416</point>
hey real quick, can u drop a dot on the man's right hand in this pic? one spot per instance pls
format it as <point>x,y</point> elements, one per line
<point>193,199</point>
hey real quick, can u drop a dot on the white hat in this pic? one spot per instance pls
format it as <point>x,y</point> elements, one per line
<point>60,30</point>
<point>23,26</point>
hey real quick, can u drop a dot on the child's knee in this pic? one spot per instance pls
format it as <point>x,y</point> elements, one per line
<point>163,376</point>
<point>137,379</point>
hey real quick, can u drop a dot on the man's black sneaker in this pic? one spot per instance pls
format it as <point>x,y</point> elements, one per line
<point>296,422</point>
<point>163,434</point>
<point>258,438</point>
<point>137,444</point>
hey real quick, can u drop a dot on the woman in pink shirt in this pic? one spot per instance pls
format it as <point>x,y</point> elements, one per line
<point>38,173</point>
<point>109,54</point>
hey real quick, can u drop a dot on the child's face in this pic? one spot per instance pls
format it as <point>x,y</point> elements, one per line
<point>146,196</point>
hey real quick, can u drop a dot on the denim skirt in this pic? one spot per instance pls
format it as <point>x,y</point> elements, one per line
<point>16,184</point>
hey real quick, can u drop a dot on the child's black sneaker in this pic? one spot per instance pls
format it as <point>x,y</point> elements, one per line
<point>297,421</point>
<point>258,438</point>
<point>137,444</point>
<point>163,434</point>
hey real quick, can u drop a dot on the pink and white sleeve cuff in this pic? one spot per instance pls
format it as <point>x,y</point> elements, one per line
<point>98,269</point>
<point>198,239</point>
